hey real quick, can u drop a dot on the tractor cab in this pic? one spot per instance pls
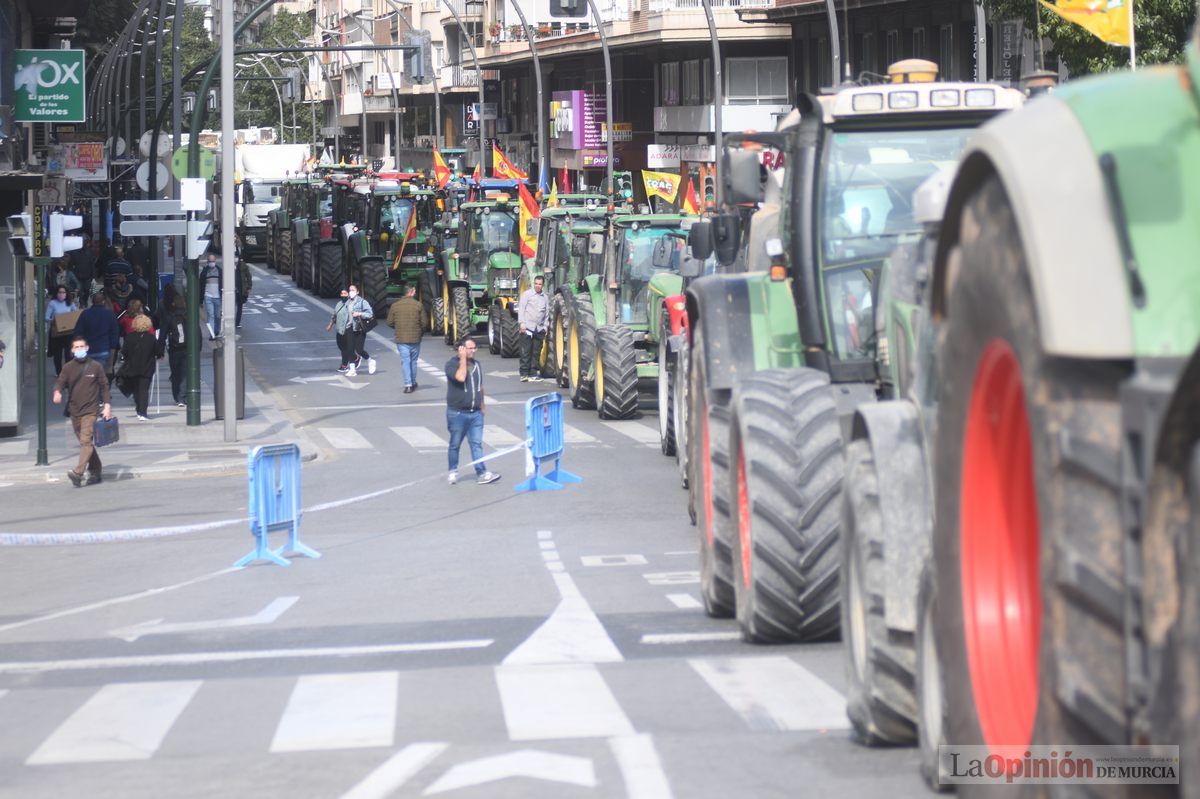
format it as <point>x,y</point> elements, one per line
<point>400,221</point>
<point>489,244</point>
<point>648,251</point>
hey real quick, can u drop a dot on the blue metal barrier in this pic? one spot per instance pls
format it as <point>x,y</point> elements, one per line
<point>544,432</point>
<point>275,502</point>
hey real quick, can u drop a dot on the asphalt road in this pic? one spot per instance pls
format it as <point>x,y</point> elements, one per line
<point>465,640</point>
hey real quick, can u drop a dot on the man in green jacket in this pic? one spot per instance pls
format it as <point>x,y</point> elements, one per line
<point>407,315</point>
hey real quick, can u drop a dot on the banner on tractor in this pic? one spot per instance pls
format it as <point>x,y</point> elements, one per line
<point>1110,21</point>
<point>661,184</point>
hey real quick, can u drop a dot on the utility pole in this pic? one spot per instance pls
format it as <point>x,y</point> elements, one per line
<point>228,253</point>
<point>543,154</point>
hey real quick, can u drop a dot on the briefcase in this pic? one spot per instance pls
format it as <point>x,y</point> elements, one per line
<point>106,432</point>
<point>64,323</point>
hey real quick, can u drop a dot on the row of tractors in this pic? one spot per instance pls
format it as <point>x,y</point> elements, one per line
<point>939,397</point>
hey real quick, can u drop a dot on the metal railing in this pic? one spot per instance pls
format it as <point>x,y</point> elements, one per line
<point>458,76</point>
<point>465,8</point>
<point>660,6</point>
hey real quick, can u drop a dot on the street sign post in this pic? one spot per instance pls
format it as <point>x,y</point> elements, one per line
<point>154,227</point>
<point>49,86</point>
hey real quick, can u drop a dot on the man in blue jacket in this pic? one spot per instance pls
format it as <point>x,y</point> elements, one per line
<point>98,326</point>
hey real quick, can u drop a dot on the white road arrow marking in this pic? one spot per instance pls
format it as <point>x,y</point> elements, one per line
<point>503,374</point>
<point>156,627</point>
<point>529,763</point>
<point>275,327</point>
<point>338,381</point>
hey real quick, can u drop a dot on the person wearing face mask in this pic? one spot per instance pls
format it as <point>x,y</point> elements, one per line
<point>340,319</point>
<point>88,398</point>
<point>59,304</point>
<point>210,282</point>
<point>358,316</point>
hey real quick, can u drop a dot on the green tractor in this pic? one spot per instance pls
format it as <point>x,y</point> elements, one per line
<point>616,317</point>
<point>483,273</point>
<point>780,358</point>
<point>376,263</point>
<point>281,249</point>
<point>443,241</point>
<point>1044,459</point>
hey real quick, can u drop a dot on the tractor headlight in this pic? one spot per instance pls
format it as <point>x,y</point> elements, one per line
<point>412,259</point>
<point>505,283</point>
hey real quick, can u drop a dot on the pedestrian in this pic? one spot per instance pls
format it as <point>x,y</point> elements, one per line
<point>132,312</point>
<point>243,281</point>
<point>139,284</point>
<point>407,316</point>
<point>83,264</point>
<point>120,292</point>
<point>88,397</point>
<point>60,303</point>
<point>210,281</point>
<point>138,255</point>
<point>98,327</point>
<point>340,319</point>
<point>117,265</point>
<point>171,323</point>
<point>137,369</point>
<point>533,315</point>
<point>358,315</point>
<point>464,411</point>
<point>64,277</point>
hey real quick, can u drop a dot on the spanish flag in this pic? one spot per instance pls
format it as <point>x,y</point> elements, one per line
<point>441,172</point>
<point>691,205</point>
<point>529,212</point>
<point>1109,21</point>
<point>504,168</point>
<point>661,184</point>
<point>409,230</point>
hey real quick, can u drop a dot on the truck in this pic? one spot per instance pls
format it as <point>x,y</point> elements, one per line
<point>1044,457</point>
<point>260,169</point>
<point>779,359</point>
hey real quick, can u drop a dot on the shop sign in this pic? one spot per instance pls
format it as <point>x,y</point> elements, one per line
<point>662,155</point>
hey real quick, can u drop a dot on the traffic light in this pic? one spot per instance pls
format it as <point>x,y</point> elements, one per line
<point>418,64</point>
<point>570,9</point>
<point>59,243</point>
<point>624,184</point>
<point>20,235</point>
<point>710,190</point>
<point>198,237</point>
<point>293,90</point>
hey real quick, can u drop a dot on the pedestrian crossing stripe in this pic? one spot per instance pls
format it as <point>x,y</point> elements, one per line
<point>426,439</point>
<point>331,711</point>
<point>345,438</point>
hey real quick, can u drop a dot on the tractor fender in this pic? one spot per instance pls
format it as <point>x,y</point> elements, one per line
<point>718,309</point>
<point>1052,178</point>
<point>893,430</point>
<point>676,308</point>
<point>300,231</point>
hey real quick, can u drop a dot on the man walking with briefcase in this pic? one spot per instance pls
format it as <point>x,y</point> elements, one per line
<point>89,398</point>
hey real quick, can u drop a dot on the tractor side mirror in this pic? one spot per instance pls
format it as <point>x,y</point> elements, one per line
<point>595,244</point>
<point>727,229</point>
<point>663,255</point>
<point>691,266</point>
<point>743,175</point>
<point>700,239</point>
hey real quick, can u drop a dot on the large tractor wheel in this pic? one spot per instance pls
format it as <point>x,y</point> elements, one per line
<point>931,703</point>
<point>302,268</point>
<point>460,299</point>
<point>616,373</point>
<point>283,253</point>
<point>435,309</point>
<point>373,274</point>
<point>581,349</point>
<point>271,248</point>
<point>682,403</point>
<point>557,341</point>
<point>448,320</point>
<point>330,279</point>
<point>881,681</point>
<point>709,484</point>
<point>787,471</point>
<point>1027,517</point>
<point>510,335</point>
<point>666,391</point>
<point>493,330</point>
<point>437,316</point>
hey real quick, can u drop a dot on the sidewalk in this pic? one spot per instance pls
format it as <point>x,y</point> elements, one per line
<point>163,447</point>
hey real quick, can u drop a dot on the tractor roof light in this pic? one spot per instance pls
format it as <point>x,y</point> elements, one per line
<point>902,101</point>
<point>980,98</point>
<point>867,102</point>
<point>944,98</point>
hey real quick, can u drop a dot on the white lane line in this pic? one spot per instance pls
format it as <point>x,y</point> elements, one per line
<point>344,438</point>
<point>640,767</point>
<point>339,711</point>
<point>774,693</point>
<point>573,435</point>
<point>285,343</point>
<point>638,432</point>
<point>572,633</point>
<point>193,658</point>
<point>555,566</point>
<point>121,721</point>
<point>688,638</point>
<point>684,601</point>
<point>559,701</point>
<point>681,552</point>
<point>420,437</point>
<point>3,691</point>
<point>546,545</point>
<point>368,406</point>
<point>396,771</point>
<point>543,535</point>
<point>497,436</point>
<point>549,556</point>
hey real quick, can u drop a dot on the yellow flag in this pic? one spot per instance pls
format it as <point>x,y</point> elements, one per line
<point>661,184</point>
<point>1107,20</point>
<point>552,200</point>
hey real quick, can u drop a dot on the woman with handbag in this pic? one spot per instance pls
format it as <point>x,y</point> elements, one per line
<point>137,371</point>
<point>360,321</point>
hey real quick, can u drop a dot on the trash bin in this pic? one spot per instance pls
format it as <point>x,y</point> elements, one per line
<point>219,382</point>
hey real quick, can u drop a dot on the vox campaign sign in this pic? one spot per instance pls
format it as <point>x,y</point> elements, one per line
<point>49,86</point>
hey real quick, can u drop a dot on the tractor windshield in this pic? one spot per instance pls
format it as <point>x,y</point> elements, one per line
<point>866,207</point>
<point>394,214</point>
<point>491,230</point>
<point>325,202</point>
<point>644,253</point>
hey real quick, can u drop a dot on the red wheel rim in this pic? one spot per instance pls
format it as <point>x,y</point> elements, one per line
<point>1002,604</point>
<point>706,473</point>
<point>743,508</point>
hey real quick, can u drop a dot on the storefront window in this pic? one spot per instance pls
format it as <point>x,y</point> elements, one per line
<point>756,81</point>
<point>668,83</point>
<point>691,83</point>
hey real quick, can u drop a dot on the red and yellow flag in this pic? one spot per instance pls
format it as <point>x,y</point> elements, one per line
<point>441,172</point>
<point>503,168</point>
<point>409,230</point>
<point>529,212</point>
<point>691,205</point>
<point>1109,21</point>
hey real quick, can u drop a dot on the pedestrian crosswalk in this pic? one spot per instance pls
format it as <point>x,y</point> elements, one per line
<point>427,438</point>
<point>129,721</point>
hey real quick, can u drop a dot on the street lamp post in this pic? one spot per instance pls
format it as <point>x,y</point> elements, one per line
<point>608,97</point>
<point>543,154</point>
<point>479,75</point>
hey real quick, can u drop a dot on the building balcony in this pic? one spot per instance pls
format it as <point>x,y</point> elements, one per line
<point>667,6</point>
<point>467,10</point>
<point>454,77</point>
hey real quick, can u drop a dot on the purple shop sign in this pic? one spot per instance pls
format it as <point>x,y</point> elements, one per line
<point>566,120</point>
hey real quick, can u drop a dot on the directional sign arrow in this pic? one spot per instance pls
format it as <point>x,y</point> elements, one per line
<point>156,627</point>
<point>275,327</point>
<point>531,763</point>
